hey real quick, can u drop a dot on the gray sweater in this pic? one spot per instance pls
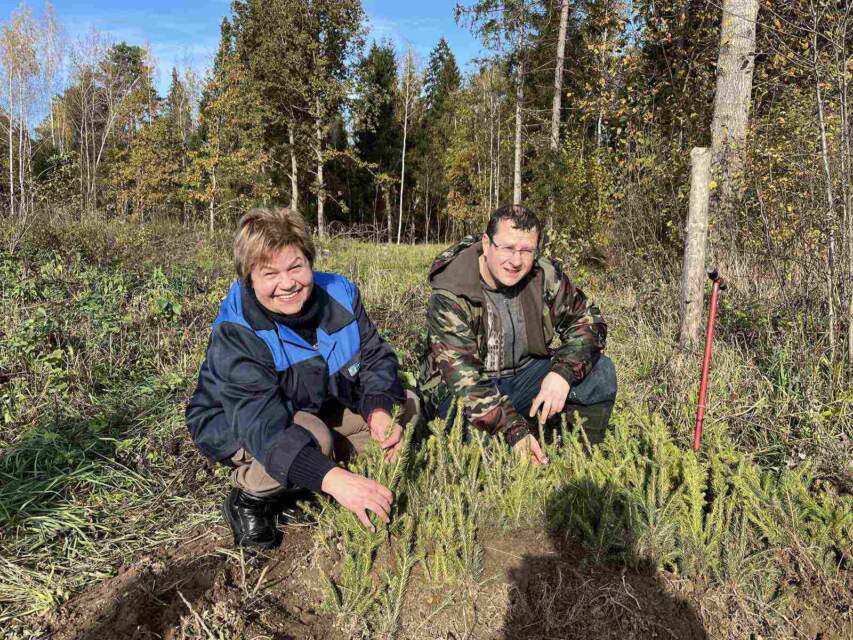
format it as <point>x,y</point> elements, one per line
<point>507,350</point>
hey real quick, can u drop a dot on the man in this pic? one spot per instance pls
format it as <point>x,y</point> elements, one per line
<point>293,364</point>
<point>496,308</point>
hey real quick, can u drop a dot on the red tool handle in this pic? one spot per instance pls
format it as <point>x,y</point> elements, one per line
<point>706,362</point>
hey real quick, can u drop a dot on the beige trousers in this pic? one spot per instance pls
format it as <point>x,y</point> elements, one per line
<point>340,434</point>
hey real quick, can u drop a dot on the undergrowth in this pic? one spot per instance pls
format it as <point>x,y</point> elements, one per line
<point>106,324</point>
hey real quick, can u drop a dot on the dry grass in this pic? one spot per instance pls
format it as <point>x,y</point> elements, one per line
<point>100,349</point>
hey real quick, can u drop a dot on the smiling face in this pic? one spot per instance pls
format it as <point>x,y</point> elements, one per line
<point>284,282</point>
<point>509,255</point>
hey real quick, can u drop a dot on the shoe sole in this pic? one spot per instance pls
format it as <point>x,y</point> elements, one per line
<point>238,539</point>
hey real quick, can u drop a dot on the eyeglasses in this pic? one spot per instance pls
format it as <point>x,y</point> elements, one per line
<point>507,251</point>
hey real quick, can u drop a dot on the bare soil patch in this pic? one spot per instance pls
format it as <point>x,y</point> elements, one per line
<point>169,594</point>
<point>554,593</point>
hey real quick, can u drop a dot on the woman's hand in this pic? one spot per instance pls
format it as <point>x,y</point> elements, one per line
<point>389,435</point>
<point>359,495</point>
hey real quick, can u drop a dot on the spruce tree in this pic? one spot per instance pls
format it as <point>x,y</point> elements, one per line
<point>442,81</point>
<point>377,133</point>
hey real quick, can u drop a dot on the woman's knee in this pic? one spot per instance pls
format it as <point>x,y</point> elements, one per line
<point>318,429</point>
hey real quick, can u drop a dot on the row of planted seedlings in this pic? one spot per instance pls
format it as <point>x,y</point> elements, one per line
<point>639,499</point>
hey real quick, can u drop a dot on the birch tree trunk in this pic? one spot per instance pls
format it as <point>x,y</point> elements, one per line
<point>212,198</point>
<point>386,193</point>
<point>408,71</point>
<point>558,76</point>
<point>438,225</point>
<point>11,151</point>
<point>846,239</point>
<point>735,66</point>
<point>498,162</point>
<point>294,170</point>
<point>321,195</point>
<point>22,126</point>
<point>695,237</point>
<point>830,201</point>
<point>519,98</point>
<point>426,210</point>
<point>82,151</point>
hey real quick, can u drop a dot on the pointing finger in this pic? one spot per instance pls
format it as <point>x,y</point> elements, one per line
<point>537,452</point>
<point>538,400</point>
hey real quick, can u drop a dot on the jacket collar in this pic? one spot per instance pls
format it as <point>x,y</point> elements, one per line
<point>333,315</point>
<point>457,270</point>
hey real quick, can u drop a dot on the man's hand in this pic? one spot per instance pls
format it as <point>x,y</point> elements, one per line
<point>551,397</point>
<point>389,435</point>
<point>358,494</point>
<point>529,446</point>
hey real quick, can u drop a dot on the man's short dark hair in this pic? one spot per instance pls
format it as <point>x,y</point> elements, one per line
<point>521,218</point>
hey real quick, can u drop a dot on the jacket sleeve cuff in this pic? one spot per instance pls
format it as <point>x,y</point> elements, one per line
<point>371,403</point>
<point>566,372</point>
<point>309,467</point>
<point>515,431</point>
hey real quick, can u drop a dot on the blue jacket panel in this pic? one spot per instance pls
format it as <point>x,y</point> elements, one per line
<point>257,374</point>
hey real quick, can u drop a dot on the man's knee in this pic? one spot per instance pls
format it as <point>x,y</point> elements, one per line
<point>251,476</point>
<point>317,428</point>
<point>599,386</point>
<point>593,400</point>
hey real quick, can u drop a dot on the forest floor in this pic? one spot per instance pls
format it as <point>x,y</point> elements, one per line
<point>110,521</point>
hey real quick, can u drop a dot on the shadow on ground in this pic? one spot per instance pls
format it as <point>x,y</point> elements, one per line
<point>574,590</point>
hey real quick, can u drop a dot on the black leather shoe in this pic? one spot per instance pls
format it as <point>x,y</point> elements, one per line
<point>288,509</point>
<point>252,519</point>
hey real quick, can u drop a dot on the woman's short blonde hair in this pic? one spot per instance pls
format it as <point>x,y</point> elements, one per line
<point>264,231</point>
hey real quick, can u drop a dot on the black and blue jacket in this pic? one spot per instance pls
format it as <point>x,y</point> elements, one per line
<point>258,373</point>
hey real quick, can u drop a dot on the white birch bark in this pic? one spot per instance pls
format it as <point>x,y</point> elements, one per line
<point>11,151</point>
<point>558,75</point>
<point>408,84</point>
<point>321,195</point>
<point>519,98</point>
<point>735,66</point>
<point>830,201</point>
<point>294,170</point>
<point>695,237</point>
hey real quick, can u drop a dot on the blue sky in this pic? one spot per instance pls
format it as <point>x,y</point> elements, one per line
<point>187,32</point>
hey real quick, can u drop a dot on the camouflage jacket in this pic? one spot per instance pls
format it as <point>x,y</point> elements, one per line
<point>456,335</point>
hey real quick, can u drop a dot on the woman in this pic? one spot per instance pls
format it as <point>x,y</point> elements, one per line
<point>293,363</point>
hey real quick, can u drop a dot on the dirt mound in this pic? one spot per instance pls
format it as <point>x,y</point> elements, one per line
<point>198,586</point>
